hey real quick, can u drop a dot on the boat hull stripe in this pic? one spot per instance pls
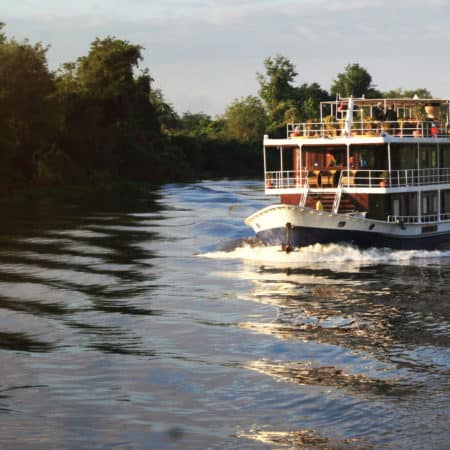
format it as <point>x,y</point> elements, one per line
<point>303,236</point>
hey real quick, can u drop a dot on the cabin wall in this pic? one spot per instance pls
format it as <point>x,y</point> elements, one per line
<point>378,207</point>
<point>361,201</point>
<point>290,199</point>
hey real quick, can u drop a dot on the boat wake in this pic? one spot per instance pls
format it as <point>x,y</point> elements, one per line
<point>325,254</point>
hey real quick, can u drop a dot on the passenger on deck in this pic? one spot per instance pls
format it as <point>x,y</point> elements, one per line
<point>379,112</point>
<point>434,130</point>
<point>319,206</point>
<point>391,118</point>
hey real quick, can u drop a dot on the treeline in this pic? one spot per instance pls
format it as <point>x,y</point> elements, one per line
<point>99,119</point>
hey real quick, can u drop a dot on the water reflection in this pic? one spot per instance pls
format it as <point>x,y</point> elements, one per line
<point>57,264</point>
<point>307,439</point>
<point>354,311</point>
<point>304,373</point>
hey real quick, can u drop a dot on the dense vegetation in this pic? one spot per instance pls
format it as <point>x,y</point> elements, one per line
<point>99,119</point>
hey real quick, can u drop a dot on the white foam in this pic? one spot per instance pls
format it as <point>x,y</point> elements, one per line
<point>327,254</point>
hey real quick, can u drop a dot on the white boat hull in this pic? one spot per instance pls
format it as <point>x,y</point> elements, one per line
<point>296,226</point>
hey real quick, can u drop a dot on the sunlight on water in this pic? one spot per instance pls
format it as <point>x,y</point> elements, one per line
<point>333,254</point>
<point>158,322</point>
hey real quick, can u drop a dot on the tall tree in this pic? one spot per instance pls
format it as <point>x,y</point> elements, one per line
<point>109,108</point>
<point>277,91</point>
<point>308,98</point>
<point>25,107</point>
<point>284,101</point>
<point>245,119</point>
<point>167,116</point>
<point>355,81</point>
<point>276,86</point>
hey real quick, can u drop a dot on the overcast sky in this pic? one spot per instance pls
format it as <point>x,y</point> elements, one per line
<point>203,54</point>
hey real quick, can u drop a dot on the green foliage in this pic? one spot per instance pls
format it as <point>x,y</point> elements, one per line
<point>277,91</point>
<point>355,81</point>
<point>400,93</point>
<point>284,101</point>
<point>108,124</point>
<point>309,97</point>
<point>25,108</point>
<point>99,119</point>
<point>198,125</point>
<point>107,71</point>
<point>2,35</point>
<point>245,120</point>
<point>276,85</point>
<point>167,116</point>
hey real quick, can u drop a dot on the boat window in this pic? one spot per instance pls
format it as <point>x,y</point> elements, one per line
<point>445,201</point>
<point>372,226</point>
<point>368,156</point>
<point>428,156</point>
<point>341,224</point>
<point>445,155</point>
<point>404,156</point>
<point>429,202</point>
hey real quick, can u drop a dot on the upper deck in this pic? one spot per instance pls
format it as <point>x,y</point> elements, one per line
<point>376,118</point>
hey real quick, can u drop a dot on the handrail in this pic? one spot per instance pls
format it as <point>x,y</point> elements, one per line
<point>397,178</point>
<point>285,179</point>
<point>337,197</point>
<point>304,196</point>
<point>403,128</point>
<point>361,178</point>
<point>428,218</point>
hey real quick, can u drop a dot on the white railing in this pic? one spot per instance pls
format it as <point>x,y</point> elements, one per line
<point>395,178</point>
<point>365,178</point>
<point>337,198</point>
<point>404,128</point>
<point>445,217</point>
<point>286,179</point>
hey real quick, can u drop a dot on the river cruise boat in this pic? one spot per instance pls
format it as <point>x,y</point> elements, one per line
<point>371,172</point>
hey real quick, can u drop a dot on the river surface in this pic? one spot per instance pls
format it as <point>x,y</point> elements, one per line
<point>154,322</point>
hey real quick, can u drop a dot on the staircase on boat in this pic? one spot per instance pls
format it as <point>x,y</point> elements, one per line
<point>347,203</point>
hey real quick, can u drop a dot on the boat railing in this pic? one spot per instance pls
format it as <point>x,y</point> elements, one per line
<point>354,178</point>
<point>427,218</point>
<point>403,128</point>
<point>286,179</point>
<point>395,178</point>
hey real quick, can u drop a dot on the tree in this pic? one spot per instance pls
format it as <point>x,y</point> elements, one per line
<point>400,93</point>
<point>26,111</point>
<point>277,91</point>
<point>110,125</point>
<point>107,71</point>
<point>276,85</point>
<point>308,98</point>
<point>245,119</point>
<point>167,116</point>
<point>355,81</point>
<point>2,35</point>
